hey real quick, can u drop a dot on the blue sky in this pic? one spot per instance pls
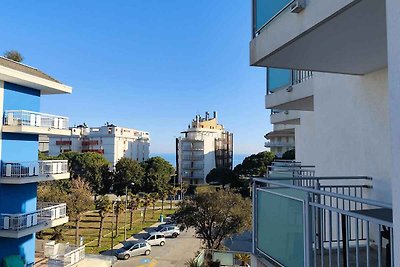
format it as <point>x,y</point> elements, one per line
<point>145,64</point>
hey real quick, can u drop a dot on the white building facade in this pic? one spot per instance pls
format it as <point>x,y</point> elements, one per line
<point>111,141</point>
<point>336,75</point>
<point>281,139</point>
<point>204,146</point>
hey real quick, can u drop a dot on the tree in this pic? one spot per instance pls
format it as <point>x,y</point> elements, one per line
<point>79,201</point>
<point>14,55</point>
<point>172,191</point>
<point>127,171</point>
<point>158,172</point>
<point>289,155</point>
<point>92,167</point>
<point>146,201</point>
<point>215,215</point>
<point>163,194</point>
<point>255,165</point>
<point>133,204</point>
<point>119,208</point>
<point>222,176</point>
<point>104,207</point>
<point>153,198</point>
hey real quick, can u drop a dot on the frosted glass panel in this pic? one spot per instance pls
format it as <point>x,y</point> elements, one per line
<point>278,78</point>
<point>224,258</point>
<point>267,9</point>
<point>280,226</point>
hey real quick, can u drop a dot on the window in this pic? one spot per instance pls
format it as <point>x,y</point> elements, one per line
<point>152,237</point>
<point>135,247</point>
<point>159,236</point>
<point>142,245</point>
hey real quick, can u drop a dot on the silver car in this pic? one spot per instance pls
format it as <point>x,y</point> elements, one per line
<point>168,230</point>
<point>155,239</point>
<point>140,247</point>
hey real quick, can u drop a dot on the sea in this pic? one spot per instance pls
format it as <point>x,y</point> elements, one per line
<point>170,157</point>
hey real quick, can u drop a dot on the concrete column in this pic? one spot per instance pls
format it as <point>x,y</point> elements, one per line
<point>393,40</point>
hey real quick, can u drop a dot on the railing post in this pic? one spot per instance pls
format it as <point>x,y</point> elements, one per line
<point>318,228</point>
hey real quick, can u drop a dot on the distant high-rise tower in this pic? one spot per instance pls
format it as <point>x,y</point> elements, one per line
<point>204,146</point>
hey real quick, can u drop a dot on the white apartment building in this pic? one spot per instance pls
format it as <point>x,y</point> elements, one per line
<point>111,141</point>
<point>334,66</point>
<point>280,139</point>
<point>204,146</point>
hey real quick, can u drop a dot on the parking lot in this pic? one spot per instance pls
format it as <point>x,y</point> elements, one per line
<point>175,252</point>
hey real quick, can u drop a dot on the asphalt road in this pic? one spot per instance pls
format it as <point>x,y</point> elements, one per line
<point>174,253</point>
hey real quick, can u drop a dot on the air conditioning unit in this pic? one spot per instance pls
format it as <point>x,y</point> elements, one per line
<point>297,6</point>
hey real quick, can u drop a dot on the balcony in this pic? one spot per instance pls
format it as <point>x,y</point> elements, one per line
<point>346,36</point>
<point>279,144</point>
<point>192,167</point>
<point>29,122</point>
<point>192,158</point>
<point>46,216</point>
<point>194,176</point>
<point>320,221</point>
<point>225,258</point>
<point>289,90</point>
<point>285,117</point>
<point>33,172</point>
<point>63,255</point>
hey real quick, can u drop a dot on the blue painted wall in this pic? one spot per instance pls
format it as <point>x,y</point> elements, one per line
<point>19,147</point>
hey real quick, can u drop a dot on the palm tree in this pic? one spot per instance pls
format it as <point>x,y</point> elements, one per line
<point>172,192</point>
<point>163,196</point>
<point>104,207</point>
<point>58,233</point>
<point>153,201</point>
<point>146,201</point>
<point>243,257</point>
<point>118,209</point>
<point>133,204</point>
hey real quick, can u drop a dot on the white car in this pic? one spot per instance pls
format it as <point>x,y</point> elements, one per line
<point>155,239</point>
<point>168,230</point>
<point>139,247</point>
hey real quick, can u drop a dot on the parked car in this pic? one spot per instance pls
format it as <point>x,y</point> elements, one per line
<point>169,230</point>
<point>136,248</point>
<point>155,239</point>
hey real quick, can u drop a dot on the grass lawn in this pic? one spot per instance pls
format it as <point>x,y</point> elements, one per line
<point>90,223</point>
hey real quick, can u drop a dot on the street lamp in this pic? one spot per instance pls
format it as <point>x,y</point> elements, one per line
<point>112,225</point>
<point>126,206</point>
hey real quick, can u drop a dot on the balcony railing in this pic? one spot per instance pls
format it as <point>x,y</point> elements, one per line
<point>34,119</point>
<point>63,255</point>
<point>193,167</point>
<point>192,158</point>
<point>326,218</point>
<point>264,11</point>
<point>278,79</point>
<point>194,176</point>
<point>45,212</point>
<point>34,168</point>
<point>279,144</point>
<point>225,258</point>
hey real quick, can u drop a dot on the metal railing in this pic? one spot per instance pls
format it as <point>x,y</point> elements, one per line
<point>193,167</point>
<point>68,256</point>
<point>270,10</point>
<point>33,168</point>
<point>45,212</point>
<point>36,119</point>
<point>194,176</point>
<point>293,77</point>
<point>279,144</point>
<point>340,227</point>
<point>193,158</point>
<point>225,258</point>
